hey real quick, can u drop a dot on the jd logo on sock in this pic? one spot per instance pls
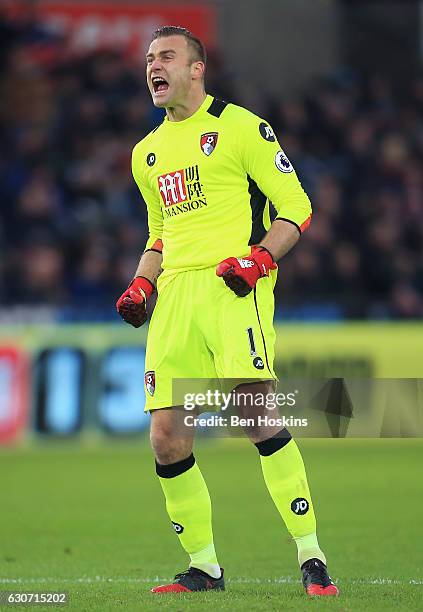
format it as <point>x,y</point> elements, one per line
<point>178,528</point>
<point>300,506</point>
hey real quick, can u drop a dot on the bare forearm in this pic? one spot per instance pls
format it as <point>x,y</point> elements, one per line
<point>280,238</point>
<point>150,266</point>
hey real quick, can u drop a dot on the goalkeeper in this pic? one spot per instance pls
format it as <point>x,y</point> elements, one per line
<point>207,174</point>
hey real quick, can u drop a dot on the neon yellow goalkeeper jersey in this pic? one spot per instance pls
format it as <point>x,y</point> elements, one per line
<point>207,182</point>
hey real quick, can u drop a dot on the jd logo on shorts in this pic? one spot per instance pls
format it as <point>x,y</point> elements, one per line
<point>267,132</point>
<point>258,363</point>
<point>151,159</point>
<point>150,381</point>
<point>300,506</point>
<point>178,528</point>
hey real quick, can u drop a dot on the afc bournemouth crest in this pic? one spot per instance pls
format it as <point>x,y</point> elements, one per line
<point>150,381</point>
<point>208,142</point>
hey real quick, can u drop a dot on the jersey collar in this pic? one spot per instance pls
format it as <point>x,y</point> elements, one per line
<point>204,106</point>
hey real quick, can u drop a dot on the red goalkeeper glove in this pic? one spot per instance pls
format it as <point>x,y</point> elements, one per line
<point>241,274</point>
<point>132,303</point>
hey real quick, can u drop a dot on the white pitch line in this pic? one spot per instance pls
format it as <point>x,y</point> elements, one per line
<point>156,579</point>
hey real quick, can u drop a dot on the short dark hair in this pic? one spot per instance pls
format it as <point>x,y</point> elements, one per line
<point>199,51</point>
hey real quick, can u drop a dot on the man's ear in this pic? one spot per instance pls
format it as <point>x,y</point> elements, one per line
<point>197,70</point>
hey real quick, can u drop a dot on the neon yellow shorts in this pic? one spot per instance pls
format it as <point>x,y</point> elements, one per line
<point>201,330</point>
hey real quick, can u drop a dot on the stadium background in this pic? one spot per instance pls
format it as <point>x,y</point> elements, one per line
<point>347,107</point>
<point>341,83</point>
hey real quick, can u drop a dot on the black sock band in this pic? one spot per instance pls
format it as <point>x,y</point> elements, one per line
<point>175,469</point>
<point>271,445</point>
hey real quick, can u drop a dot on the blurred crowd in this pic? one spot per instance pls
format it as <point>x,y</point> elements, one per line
<point>73,224</point>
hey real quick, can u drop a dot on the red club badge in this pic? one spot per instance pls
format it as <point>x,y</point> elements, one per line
<point>150,381</point>
<point>208,142</point>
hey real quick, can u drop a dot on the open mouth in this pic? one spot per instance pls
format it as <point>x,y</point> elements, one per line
<point>160,85</point>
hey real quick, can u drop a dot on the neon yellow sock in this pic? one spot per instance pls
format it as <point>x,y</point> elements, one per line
<point>189,508</point>
<point>286,480</point>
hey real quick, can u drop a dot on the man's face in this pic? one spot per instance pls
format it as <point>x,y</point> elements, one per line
<point>170,70</point>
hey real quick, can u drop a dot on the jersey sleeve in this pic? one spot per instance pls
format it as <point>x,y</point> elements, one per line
<point>266,163</point>
<point>154,209</point>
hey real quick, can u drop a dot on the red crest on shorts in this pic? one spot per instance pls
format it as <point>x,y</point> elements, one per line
<point>150,381</point>
<point>208,142</point>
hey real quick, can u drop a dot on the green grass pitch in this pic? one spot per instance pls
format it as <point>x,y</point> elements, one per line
<point>90,520</point>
